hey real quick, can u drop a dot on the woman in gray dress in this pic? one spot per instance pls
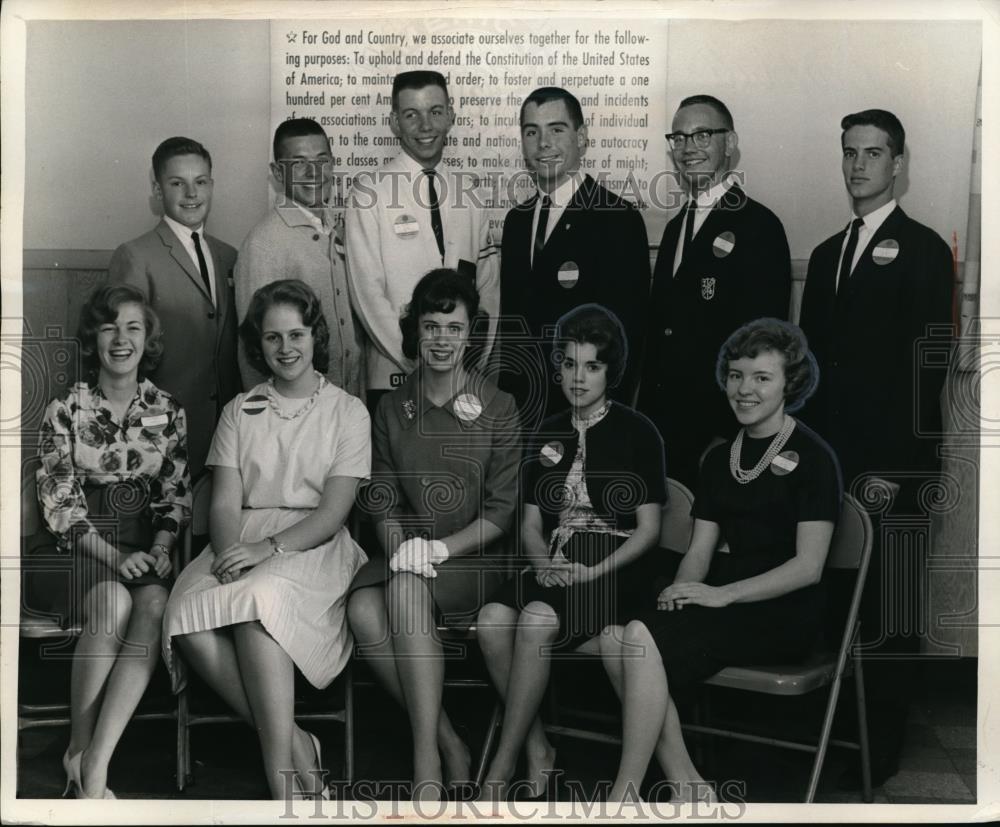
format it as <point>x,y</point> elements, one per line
<point>443,492</point>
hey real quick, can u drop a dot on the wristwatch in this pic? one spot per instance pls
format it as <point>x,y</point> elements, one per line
<point>279,548</point>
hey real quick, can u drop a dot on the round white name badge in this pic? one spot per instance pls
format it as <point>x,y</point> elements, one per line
<point>253,405</point>
<point>568,275</point>
<point>723,244</point>
<point>785,463</point>
<point>885,251</point>
<point>552,453</point>
<point>467,407</point>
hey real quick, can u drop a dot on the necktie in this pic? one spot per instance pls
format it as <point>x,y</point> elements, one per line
<point>848,259</point>
<point>202,264</point>
<point>436,224</point>
<point>688,226</point>
<point>543,223</point>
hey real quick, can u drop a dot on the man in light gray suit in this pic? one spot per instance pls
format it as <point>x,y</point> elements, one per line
<point>188,279</point>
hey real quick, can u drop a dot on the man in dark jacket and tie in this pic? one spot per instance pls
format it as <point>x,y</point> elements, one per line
<point>877,312</point>
<point>723,261</point>
<point>572,243</point>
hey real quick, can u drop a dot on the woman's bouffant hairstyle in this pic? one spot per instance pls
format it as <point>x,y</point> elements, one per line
<point>294,293</point>
<point>594,324</point>
<point>441,291</point>
<point>102,308</point>
<point>761,335</point>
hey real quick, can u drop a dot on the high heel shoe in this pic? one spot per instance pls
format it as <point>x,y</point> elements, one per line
<point>74,776</point>
<point>325,794</point>
<point>543,788</point>
<point>72,768</point>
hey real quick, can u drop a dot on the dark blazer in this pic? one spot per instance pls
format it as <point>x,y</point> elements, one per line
<point>605,237</point>
<point>869,406</point>
<point>738,268</point>
<point>199,341</point>
<point>624,467</point>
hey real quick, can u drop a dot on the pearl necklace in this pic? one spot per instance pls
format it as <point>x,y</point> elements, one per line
<point>777,443</point>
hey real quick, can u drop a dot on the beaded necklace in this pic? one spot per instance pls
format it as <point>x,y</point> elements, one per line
<point>272,395</point>
<point>777,443</point>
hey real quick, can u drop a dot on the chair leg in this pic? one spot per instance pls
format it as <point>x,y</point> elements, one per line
<point>699,715</point>
<point>866,764</point>
<point>824,739</point>
<point>349,725</point>
<point>488,740</point>
<point>183,744</point>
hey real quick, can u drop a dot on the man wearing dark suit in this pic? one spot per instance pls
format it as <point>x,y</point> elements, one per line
<point>723,261</point>
<point>188,278</point>
<point>875,294</point>
<point>574,242</point>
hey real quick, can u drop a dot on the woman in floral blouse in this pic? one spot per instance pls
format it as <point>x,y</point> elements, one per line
<point>114,492</point>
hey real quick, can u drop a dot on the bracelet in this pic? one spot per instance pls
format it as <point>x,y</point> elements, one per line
<point>278,548</point>
<point>155,546</point>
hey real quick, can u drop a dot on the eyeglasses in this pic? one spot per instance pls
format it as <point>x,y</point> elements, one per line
<point>702,138</point>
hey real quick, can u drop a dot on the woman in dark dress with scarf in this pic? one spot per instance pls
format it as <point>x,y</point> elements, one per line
<point>773,495</point>
<point>593,486</point>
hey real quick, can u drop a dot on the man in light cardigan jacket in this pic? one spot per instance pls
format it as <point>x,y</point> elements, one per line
<point>300,239</point>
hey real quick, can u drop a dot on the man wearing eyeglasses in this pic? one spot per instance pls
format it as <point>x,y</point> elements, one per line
<point>877,311</point>
<point>722,262</point>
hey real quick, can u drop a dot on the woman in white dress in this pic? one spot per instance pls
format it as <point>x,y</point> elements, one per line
<point>269,591</point>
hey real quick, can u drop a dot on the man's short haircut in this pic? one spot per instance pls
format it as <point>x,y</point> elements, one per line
<point>172,147</point>
<point>785,338</point>
<point>295,128</point>
<point>882,119</point>
<point>546,94</point>
<point>714,103</point>
<point>417,79</point>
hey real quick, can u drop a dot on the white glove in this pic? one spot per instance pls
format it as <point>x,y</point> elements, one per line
<point>419,556</point>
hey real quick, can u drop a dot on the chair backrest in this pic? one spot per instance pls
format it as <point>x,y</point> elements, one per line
<point>851,548</point>
<point>676,522</point>
<point>31,518</point>
<point>201,501</point>
<point>852,537</point>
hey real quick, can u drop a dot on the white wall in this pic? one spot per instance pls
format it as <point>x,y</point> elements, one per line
<point>788,83</point>
<point>101,95</point>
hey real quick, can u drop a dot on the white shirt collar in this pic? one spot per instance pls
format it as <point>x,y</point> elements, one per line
<point>563,194</point>
<point>182,231</point>
<point>411,163</point>
<point>875,218</point>
<point>705,200</point>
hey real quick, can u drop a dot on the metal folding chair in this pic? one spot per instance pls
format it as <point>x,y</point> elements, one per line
<point>188,717</point>
<point>850,550</point>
